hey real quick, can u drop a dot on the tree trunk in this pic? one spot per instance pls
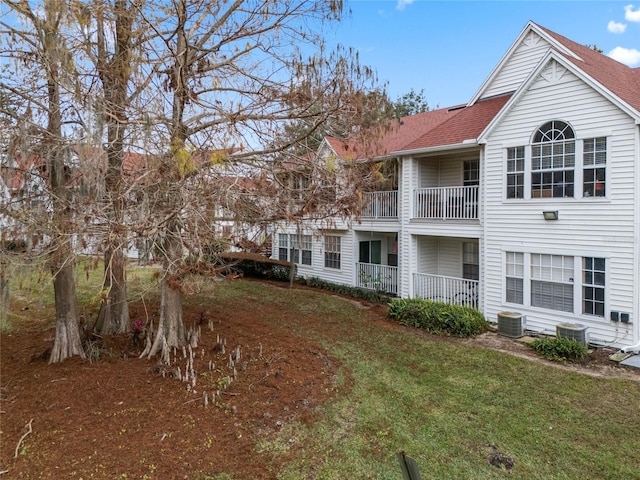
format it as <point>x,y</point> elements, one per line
<point>114,70</point>
<point>68,340</point>
<point>171,332</point>
<point>4,294</point>
<point>113,317</point>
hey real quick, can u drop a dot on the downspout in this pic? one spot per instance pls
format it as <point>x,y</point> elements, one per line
<point>635,348</point>
<point>482,246</point>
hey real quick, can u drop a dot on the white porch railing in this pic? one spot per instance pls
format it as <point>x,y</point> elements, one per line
<point>380,204</point>
<point>457,291</point>
<point>377,277</point>
<point>446,203</point>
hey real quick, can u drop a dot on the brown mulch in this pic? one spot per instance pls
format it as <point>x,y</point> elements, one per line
<point>117,416</point>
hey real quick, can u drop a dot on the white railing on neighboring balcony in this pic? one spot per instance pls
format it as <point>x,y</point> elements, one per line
<point>381,278</point>
<point>457,291</point>
<point>380,204</point>
<point>446,203</point>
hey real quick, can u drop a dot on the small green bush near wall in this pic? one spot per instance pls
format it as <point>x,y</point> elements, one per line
<point>355,292</point>
<point>560,349</point>
<point>438,317</point>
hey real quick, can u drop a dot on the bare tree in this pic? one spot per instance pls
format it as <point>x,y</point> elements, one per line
<point>38,50</point>
<point>200,93</point>
<point>109,44</point>
<point>236,72</point>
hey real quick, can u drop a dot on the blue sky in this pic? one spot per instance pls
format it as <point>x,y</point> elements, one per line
<point>448,48</point>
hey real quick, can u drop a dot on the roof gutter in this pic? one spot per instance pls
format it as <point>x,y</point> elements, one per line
<point>440,148</point>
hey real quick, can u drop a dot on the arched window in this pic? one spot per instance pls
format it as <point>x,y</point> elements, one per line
<point>553,158</point>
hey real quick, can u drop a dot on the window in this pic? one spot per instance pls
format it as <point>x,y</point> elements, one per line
<point>553,161</point>
<point>593,280</point>
<point>283,247</point>
<point>306,246</point>
<point>290,249</point>
<point>294,249</point>
<point>371,252</point>
<point>471,174</point>
<point>332,251</point>
<point>392,252</point>
<point>594,161</point>
<point>515,172</point>
<point>295,184</point>
<point>552,282</point>
<point>470,261</point>
<point>514,277</point>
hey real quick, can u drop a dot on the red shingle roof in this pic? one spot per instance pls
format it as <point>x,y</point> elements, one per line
<point>466,123</point>
<point>620,79</point>
<point>400,133</point>
<point>453,126</point>
<point>446,126</point>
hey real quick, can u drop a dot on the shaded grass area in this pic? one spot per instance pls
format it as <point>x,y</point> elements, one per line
<point>31,290</point>
<point>451,407</point>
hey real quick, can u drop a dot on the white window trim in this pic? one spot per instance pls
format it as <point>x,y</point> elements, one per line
<point>578,176</point>
<point>324,251</point>
<point>299,250</point>
<point>607,172</point>
<point>577,283</point>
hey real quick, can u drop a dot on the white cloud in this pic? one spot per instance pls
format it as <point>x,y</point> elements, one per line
<point>631,15</point>
<point>403,3</point>
<point>615,27</point>
<point>628,56</point>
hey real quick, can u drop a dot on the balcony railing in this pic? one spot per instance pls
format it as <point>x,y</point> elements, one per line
<point>380,204</point>
<point>381,278</point>
<point>456,291</point>
<point>446,203</point>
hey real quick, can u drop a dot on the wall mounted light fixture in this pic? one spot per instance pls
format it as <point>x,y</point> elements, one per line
<point>550,214</point>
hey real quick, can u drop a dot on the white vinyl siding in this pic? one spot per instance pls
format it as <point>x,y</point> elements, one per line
<point>586,226</point>
<point>427,255</point>
<point>523,59</point>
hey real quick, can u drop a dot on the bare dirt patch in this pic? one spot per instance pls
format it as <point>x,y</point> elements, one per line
<point>116,416</point>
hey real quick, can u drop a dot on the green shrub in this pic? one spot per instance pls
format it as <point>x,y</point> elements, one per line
<point>372,296</point>
<point>560,349</point>
<point>437,317</point>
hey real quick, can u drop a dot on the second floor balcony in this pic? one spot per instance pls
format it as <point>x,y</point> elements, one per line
<point>380,204</point>
<point>434,203</point>
<point>446,203</point>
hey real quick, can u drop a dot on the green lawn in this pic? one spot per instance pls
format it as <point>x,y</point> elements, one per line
<point>450,407</point>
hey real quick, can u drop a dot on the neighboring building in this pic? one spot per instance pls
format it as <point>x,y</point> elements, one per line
<point>526,199</point>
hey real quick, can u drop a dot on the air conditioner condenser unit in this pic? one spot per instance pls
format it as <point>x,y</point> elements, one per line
<point>575,331</point>
<point>511,324</point>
